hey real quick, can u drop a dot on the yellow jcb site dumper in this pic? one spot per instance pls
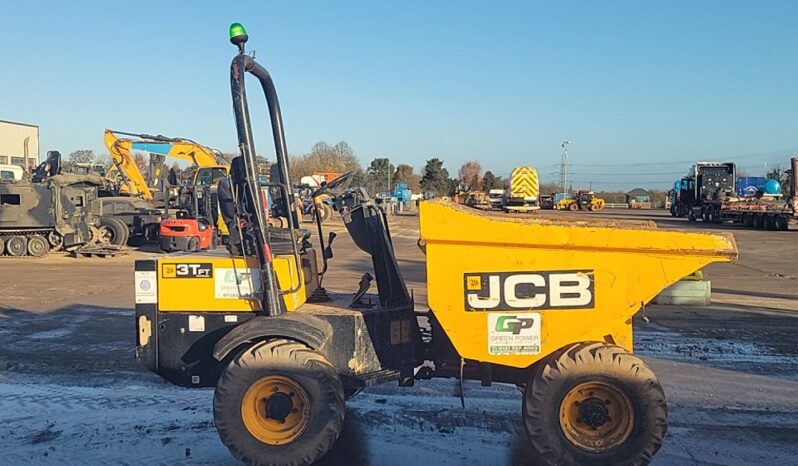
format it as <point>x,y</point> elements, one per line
<point>542,304</point>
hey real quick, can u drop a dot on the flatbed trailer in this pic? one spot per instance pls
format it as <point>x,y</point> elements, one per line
<point>770,214</point>
<point>766,212</point>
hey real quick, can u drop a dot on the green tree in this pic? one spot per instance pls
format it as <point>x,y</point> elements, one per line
<point>436,178</point>
<point>359,179</point>
<point>380,175</point>
<point>404,174</point>
<point>82,156</point>
<point>491,181</point>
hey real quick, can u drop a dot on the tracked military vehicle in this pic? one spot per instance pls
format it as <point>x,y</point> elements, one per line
<point>61,211</point>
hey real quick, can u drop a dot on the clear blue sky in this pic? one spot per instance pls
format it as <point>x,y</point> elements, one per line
<point>641,88</point>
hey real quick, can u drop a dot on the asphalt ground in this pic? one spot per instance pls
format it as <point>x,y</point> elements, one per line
<point>72,393</point>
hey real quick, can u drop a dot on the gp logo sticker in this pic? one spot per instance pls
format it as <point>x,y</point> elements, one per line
<point>513,324</point>
<point>514,334</point>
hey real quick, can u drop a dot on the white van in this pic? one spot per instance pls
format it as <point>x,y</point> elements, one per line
<point>11,172</point>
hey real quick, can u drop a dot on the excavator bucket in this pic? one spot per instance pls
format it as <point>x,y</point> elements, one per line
<point>512,290</point>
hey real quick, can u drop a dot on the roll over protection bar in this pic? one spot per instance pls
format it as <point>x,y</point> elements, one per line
<point>272,303</point>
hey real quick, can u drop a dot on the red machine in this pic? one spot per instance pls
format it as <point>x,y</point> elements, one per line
<point>191,229</point>
<point>186,234</point>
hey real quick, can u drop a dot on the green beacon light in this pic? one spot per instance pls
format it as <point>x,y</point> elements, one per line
<point>238,35</point>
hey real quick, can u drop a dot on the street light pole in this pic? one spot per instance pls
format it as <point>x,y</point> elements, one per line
<point>564,167</point>
<point>388,170</point>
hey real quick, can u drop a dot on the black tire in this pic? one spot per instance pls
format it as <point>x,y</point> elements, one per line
<point>554,381</point>
<point>281,359</point>
<point>194,244</point>
<point>2,246</point>
<point>38,246</point>
<point>770,222</point>
<point>17,246</point>
<point>214,240</point>
<point>780,223</point>
<point>113,231</point>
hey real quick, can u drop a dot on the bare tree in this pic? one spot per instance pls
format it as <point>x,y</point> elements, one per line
<point>141,162</point>
<point>471,174</point>
<point>82,156</point>
<point>323,158</point>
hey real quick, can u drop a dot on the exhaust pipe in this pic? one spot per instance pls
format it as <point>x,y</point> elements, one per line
<point>26,163</point>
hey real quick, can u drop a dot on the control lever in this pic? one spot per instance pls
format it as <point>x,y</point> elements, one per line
<point>363,287</point>
<point>328,253</point>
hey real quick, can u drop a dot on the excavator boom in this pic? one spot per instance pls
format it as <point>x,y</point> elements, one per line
<point>121,144</point>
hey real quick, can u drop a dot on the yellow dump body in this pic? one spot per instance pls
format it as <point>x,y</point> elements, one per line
<point>523,185</point>
<point>510,291</point>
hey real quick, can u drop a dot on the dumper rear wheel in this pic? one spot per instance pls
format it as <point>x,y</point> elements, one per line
<point>595,404</point>
<point>279,403</point>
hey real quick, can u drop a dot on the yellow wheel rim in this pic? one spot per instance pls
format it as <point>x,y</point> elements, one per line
<point>275,410</point>
<point>596,416</point>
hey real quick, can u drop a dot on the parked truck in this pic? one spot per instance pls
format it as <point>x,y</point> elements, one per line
<point>522,191</point>
<point>710,192</point>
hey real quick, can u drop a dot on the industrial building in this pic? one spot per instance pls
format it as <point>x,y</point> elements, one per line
<point>19,141</point>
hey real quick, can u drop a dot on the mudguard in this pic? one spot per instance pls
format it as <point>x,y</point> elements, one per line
<point>307,329</point>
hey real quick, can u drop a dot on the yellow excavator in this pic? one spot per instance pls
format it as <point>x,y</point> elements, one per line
<point>211,165</point>
<point>544,304</point>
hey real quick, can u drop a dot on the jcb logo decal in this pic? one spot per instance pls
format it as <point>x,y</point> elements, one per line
<point>567,289</point>
<point>187,271</point>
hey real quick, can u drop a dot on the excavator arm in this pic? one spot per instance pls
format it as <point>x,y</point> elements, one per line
<point>120,150</point>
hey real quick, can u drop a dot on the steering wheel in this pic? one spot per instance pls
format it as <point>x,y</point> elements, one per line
<point>333,184</point>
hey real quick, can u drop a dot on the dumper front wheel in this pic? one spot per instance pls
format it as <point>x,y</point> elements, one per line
<point>595,404</point>
<point>279,403</point>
